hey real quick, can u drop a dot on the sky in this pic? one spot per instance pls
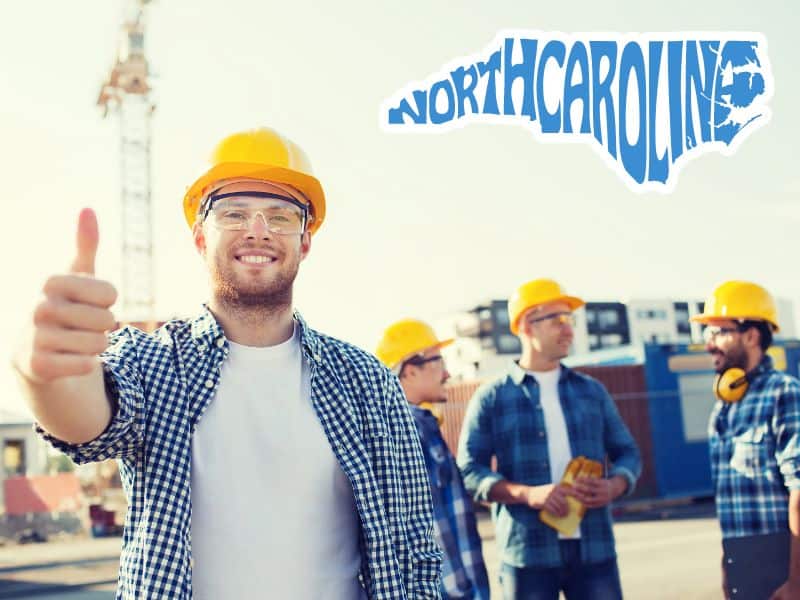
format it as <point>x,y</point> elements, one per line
<point>417,225</point>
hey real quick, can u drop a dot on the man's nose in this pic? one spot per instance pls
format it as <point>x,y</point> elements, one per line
<point>257,226</point>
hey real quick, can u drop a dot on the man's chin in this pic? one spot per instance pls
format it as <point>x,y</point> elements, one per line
<point>720,365</point>
<point>256,295</point>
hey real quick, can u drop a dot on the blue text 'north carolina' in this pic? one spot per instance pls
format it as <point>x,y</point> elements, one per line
<point>647,102</point>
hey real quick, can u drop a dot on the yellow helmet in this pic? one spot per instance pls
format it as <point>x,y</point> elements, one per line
<point>739,300</point>
<point>406,338</point>
<point>259,154</point>
<point>534,293</point>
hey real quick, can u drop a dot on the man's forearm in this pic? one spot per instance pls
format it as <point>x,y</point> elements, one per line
<point>507,492</point>
<point>72,409</point>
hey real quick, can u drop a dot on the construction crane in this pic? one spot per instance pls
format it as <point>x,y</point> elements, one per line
<point>126,94</point>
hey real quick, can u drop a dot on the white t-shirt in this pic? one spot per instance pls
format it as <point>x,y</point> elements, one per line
<point>558,447</point>
<point>273,515</point>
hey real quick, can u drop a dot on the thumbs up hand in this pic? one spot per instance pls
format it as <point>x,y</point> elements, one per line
<point>86,240</point>
<point>70,323</point>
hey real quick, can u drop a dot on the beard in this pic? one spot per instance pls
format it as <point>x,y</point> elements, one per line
<point>734,358</point>
<point>263,297</point>
<point>554,349</point>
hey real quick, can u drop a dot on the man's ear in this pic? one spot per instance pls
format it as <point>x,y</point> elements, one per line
<point>408,372</point>
<point>305,245</point>
<point>199,238</point>
<point>751,338</point>
<point>524,327</point>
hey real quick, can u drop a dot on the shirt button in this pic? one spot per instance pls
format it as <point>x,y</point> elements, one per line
<point>201,348</point>
<point>541,434</point>
<point>317,358</point>
<point>209,383</point>
<point>734,591</point>
<point>220,342</point>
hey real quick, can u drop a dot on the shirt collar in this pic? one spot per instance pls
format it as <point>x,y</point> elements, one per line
<point>763,367</point>
<point>518,374</point>
<point>423,413</point>
<point>309,339</point>
<point>206,331</point>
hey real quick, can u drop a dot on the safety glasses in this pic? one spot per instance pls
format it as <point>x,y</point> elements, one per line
<point>236,211</point>
<point>559,318</point>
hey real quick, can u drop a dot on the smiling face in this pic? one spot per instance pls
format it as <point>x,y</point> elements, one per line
<point>726,345</point>
<point>251,267</point>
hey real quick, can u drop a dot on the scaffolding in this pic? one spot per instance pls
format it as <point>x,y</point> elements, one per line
<point>126,94</point>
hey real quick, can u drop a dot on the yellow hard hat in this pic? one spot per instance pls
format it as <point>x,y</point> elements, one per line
<point>406,338</point>
<point>259,154</point>
<point>739,300</point>
<point>534,293</point>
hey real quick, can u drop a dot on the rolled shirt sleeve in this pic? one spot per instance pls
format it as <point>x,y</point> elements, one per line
<point>786,425</point>
<point>476,446</point>
<point>124,433</point>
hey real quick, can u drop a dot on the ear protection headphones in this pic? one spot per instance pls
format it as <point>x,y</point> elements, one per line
<point>731,386</point>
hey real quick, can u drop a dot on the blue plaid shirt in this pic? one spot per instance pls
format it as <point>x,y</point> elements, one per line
<point>162,384</point>
<point>755,454</point>
<point>463,571</point>
<point>505,419</point>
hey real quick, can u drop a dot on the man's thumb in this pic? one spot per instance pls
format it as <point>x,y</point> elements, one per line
<point>87,239</point>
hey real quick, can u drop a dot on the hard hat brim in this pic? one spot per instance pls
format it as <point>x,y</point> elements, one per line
<point>438,345</point>
<point>442,344</point>
<point>705,319</point>
<point>307,184</point>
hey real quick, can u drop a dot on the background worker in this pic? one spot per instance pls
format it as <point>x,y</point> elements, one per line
<point>534,420</point>
<point>754,441</point>
<point>412,350</point>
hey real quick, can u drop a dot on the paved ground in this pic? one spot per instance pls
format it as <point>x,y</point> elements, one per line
<point>77,569</point>
<point>668,554</point>
<point>664,554</point>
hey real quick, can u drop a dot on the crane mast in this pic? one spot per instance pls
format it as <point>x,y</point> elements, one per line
<point>126,95</point>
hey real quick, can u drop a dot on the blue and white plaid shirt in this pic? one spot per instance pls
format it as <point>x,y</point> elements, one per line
<point>755,454</point>
<point>162,384</point>
<point>463,570</point>
<point>505,419</point>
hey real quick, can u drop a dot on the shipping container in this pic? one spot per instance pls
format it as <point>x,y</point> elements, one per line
<point>679,381</point>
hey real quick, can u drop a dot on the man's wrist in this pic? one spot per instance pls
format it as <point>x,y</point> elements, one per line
<point>533,496</point>
<point>619,485</point>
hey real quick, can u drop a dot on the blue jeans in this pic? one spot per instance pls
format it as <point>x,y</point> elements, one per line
<point>578,581</point>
